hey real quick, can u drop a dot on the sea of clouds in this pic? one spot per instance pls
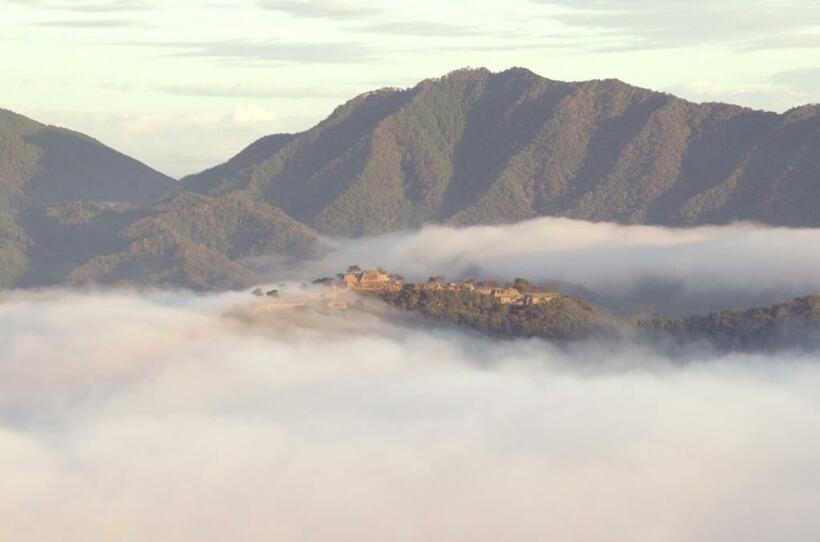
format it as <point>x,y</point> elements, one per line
<point>669,271</point>
<point>166,415</point>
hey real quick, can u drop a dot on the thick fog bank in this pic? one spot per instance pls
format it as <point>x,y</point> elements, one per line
<point>127,417</point>
<point>629,268</point>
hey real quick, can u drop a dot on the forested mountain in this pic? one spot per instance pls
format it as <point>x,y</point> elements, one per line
<point>184,239</point>
<point>42,164</point>
<point>477,147</point>
<point>794,323</point>
<point>472,147</point>
<point>73,211</point>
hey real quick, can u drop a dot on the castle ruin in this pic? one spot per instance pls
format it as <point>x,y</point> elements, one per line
<point>379,280</point>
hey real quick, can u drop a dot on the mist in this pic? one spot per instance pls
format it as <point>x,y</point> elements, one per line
<point>627,269</point>
<point>172,416</point>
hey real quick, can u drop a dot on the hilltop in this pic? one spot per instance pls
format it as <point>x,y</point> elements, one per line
<point>521,309</point>
<point>517,309</point>
<point>42,164</point>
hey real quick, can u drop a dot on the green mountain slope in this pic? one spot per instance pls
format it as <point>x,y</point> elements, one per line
<point>473,147</point>
<point>41,164</point>
<point>476,147</point>
<point>185,240</point>
<point>76,212</point>
<point>219,178</point>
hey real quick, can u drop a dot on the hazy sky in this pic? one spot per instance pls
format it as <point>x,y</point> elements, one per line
<point>184,84</point>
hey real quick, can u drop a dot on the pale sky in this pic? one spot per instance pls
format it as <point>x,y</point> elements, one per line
<point>184,84</point>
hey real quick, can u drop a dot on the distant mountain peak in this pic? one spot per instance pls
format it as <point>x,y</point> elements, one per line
<point>476,146</point>
<point>42,164</point>
<point>469,147</point>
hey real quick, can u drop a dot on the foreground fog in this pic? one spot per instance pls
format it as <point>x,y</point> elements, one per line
<point>156,417</point>
<point>672,271</point>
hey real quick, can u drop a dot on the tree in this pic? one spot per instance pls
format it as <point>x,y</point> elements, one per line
<point>523,285</point>
<point>354,269</point>
<point>547,288</point>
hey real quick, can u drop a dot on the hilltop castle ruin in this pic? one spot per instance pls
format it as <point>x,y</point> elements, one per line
<point>379,280</point>
<point>370,281</point>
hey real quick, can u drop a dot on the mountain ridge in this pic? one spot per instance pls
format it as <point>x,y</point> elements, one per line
<point>477,147</point>
<point>41,164</point>
<point>471,147</point>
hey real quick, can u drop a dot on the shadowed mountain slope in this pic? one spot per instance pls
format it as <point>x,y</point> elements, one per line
<point>476,147</point>
<point>185,240</point>
<point>790,324</point>
<point>41,164</point>
<point>473,147</point>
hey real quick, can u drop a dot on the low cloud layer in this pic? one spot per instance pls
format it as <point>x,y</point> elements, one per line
<point>157,417</point>
<point>673,270</point>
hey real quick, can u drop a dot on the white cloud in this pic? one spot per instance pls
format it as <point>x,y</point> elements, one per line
<point>89,6</point>
<point>154,417</point>
<point>272,52</point>
<point>778,92</point>
<point>673,270</point>
<point>253,113</point>
<point>318,8</point>
<point>648,24</point>
<point>253,91</point>
<point>95,23</point>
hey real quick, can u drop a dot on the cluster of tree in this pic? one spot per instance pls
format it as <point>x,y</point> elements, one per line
<point>522,285</point>
<point>792,323</point>
<point>259,292</point>
<point>564,318</point>
<point>477,147</point>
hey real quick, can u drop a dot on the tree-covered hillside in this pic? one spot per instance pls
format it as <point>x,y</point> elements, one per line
<point>476,147</point>
<point>563,318</point>
<point>792,324</point>
<point>42,164</point>
<point>473,147</point>
<point>184,239</point>
<point>784,323</point>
